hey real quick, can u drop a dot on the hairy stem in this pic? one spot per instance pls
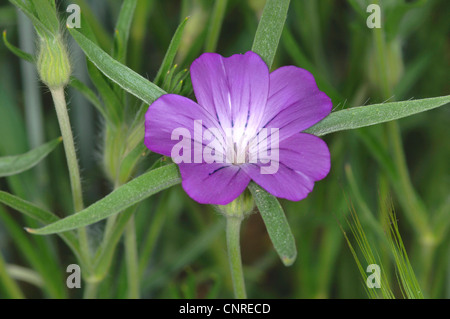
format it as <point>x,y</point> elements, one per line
<point>132,260</point>
<point>234,255</point>
<point>72,162</point>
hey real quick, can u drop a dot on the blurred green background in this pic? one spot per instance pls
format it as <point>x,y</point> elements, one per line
<point>182,247</point>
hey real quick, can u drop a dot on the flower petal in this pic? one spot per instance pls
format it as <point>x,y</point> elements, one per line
<point>169,113</point>
<point>303,159</point>
<point>234,89</point>
<point>213,183</point>
<point>295,103</point>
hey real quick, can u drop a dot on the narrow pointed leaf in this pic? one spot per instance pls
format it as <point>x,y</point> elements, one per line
<point>37,213</point>
<point>361,116</point>
<point>269,29</point>
<point>123,29</point>
<point>21,54</point>
<point>110,99</point>
<point>123,197</point>
<point>117,72</point>
<point>276,224</point>
<point>88,94</point>
<point>10,286</point>
<point>11,165</point>
<point>41,29</point>
<point>171,52</point>
<point>46,13</point>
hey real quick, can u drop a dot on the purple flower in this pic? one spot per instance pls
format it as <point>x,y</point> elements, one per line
<point>246,125</point>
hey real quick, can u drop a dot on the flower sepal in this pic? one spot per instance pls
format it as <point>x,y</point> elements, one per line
<point>53,62</point>
<point>240,208</point>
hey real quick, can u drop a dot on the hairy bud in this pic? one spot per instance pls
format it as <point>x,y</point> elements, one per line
<point>53,62</point>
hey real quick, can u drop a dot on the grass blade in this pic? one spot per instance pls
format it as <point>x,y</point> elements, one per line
<point>54,286</point>
<point>406,277</point>
<point>216,21</point>
<point>370,257</point>
<point>167,270</point>
<point>12,289</point>
<point>25,274</point>
<point>38,214</point>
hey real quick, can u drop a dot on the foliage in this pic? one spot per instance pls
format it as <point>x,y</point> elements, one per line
<point>174,247</point>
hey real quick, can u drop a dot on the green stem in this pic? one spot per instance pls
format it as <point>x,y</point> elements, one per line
<point>72,162</point>
<point>105,252</point>
<point>415,210</point>
<point>132,260</point>
<point>69,146</point>
<point>110,223</point>
<point>234,255</point>
<point>90,292</point>
<point>155,229</point>
<point>413,207</point>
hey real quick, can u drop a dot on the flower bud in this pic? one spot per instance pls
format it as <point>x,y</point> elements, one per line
<point>53,62</point>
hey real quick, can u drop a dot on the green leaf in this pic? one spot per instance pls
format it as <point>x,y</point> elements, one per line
<point>26,275</point>
<point>36,257</point>
<point>123,197</point>
<point>92,27</point>
<point>171,52</point>
<point>117,72</point>
<point>215,24</point>
<point>359,8</point>
<point>362,116</point>
<point>11,165</point>
<point>27,8</point>
<point>11,287</point>
<point>130,161</point>
<point>47,14</point>
<point>39,214</point>
<point>105,253</point>
<point>21,54</point>
<point>88,94</point>
<point>27,208</point>
<point>122,30</point>
<point>269,29</point>
<point>110,99</point>
<point>167,270</point>
<point>276,224</point>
